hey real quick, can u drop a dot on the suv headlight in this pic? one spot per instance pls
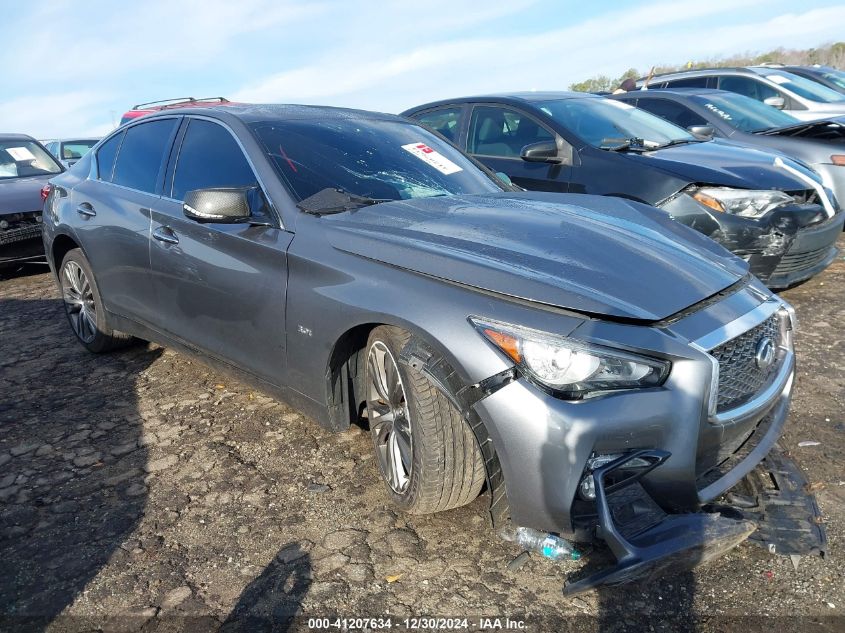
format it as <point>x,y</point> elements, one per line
<point>747,203</point>
<point>568,367</point>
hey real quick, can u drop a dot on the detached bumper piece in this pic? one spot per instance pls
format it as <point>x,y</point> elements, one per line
<point>772,507</point>
<point>776,497</point>
<point>644,539</point>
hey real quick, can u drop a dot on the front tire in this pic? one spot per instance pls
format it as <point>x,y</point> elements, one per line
<point>428,456</point>
<point>84,306</point>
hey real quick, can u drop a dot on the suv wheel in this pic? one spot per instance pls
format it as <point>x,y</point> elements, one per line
<point>428,456</point>
<point>84,306</point>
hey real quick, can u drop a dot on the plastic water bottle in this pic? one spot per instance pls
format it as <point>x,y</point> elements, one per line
<point>548,545</point>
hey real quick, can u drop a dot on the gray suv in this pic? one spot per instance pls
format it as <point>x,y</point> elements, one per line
<point>802,98</point>
<point>597,367</point>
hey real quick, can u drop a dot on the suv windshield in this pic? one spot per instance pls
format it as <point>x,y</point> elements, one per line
<point>607,124</point>
<point>745,113</point>
<point>19,159</point>
<point>370,158</point>
<point>806,88</point>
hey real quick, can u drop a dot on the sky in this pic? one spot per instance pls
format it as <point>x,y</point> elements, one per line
<point>73,67</point>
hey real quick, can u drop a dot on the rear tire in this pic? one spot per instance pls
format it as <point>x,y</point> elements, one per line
<point>428,456</point>
<point>84,306</point>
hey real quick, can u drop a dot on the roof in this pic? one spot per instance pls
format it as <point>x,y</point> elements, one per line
<point>252,113</point>
<point>678,92</point>
<point>512,97</point>
<point>15,137</point>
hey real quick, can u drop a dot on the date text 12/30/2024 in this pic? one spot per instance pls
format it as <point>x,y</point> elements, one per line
<point>414,624</point>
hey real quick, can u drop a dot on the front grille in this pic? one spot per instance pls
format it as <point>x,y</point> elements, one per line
<point>19,233</point>
<point>796,262</point>
<point>739,377</point>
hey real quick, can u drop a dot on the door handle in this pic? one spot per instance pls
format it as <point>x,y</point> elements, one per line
<point>165,234</point>
<point>86,210</point>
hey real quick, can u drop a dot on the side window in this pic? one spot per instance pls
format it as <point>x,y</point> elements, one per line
<point>210,158</point>
<point>106,155</point>
<point>495,131</point>
<point>689,82</point>
<point>672,111</point>
<point>446,122</point>
<point>747,86</point>
<point>141,155</point>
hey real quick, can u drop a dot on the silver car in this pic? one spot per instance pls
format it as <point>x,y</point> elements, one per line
<point>598,368</point>
<point>802,98</point>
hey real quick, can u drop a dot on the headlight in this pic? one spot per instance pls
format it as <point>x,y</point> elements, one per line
<point>747,203</point>
<point>568,367</point>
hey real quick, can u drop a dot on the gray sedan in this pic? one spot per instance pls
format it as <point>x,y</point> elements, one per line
<point>598,367</point>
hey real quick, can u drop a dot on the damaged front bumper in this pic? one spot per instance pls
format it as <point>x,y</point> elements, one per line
<point>787,246</point>
<point>777,512</point>
<point>658,461</point>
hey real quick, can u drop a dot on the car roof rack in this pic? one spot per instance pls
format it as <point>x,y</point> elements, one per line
<point>179,101</point>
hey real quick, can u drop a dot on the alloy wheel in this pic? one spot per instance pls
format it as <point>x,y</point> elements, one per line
<point>390,424</point>
<point>79,302</point>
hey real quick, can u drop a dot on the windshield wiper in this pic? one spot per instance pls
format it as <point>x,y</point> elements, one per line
<point>680,141</point>
<point>333,200</point>
<point>633,144</point>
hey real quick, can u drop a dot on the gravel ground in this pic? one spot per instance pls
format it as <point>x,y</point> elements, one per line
<point>140,490</point>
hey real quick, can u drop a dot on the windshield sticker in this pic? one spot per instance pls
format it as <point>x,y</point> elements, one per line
<point>778,79</point>
<point>20,153</point>
<point>721,113</point>
<point>432,157</point>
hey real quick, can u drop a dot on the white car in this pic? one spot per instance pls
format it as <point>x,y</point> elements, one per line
<point>800,97</point>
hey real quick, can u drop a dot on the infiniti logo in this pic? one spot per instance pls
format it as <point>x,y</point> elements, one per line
<point>764,353</point>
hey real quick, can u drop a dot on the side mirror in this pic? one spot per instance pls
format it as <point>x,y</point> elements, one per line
<point>224,206</point>
<point>775,102</point>
<point>504,178</point>
<point>542,152</point>
<point>703,132</point>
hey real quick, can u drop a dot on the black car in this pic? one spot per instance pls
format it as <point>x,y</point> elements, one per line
<point>740,119</point>
<point>25,167</point>
<point>772,211</point>
<point>828,76</point>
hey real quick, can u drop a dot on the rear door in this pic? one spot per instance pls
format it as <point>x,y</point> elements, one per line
<point>113,209</point>
<point>219,287</point>
<point>496,137</point>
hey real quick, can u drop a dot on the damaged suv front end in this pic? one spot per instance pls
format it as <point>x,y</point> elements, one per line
<point>785,236</point>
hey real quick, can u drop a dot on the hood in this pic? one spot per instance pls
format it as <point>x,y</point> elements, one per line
<point>723,164</point>
<point>591,254</point>
<point>21,195</point>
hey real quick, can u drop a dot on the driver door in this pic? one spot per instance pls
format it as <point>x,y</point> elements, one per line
<point>220,287</point>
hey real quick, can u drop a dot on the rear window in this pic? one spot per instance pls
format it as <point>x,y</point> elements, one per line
<point>142,153</point>
<point>106,155</point>
<point>20,159</point>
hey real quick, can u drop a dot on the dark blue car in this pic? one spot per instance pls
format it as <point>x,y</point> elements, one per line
<point>769,209</point>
